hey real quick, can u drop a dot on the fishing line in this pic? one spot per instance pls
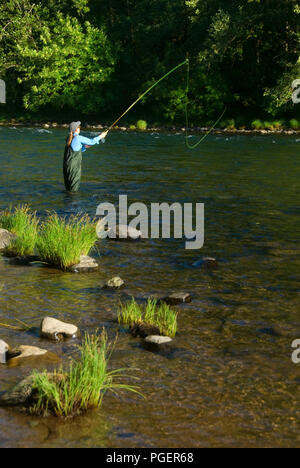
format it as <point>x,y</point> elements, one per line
<point>187,63</point>
<point>186,113</point>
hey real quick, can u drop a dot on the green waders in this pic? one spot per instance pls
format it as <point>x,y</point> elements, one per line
<point>72,169</point>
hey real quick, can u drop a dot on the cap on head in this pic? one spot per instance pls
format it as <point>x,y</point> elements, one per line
<point>73,126</point>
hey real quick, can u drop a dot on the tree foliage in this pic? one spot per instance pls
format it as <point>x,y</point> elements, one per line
<point>99,56</point>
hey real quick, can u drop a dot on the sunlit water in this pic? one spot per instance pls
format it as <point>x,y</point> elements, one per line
<point>229,379</point>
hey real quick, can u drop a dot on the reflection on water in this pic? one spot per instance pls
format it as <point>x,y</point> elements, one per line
<point>229,380</point>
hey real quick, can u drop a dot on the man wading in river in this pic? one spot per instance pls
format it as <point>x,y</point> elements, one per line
<point>75,145</point>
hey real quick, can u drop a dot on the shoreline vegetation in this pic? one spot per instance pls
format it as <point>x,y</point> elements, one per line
<point>266,130</point>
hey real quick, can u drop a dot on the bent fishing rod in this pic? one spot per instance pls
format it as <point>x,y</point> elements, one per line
<point>187,63</point>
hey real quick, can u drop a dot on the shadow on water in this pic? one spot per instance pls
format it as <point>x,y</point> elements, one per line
<point>229,380</point>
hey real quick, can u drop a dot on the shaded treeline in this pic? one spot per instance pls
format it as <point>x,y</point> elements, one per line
<point>97,56</point>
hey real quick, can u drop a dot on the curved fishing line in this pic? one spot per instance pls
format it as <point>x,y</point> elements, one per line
<point>146,92</point>
<point>186,114</point>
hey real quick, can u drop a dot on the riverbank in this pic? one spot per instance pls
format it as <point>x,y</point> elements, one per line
<point>159,129</point>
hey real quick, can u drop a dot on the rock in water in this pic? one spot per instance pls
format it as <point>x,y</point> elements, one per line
<point>85,265</point>
<point>206,262</point>
<point>54,329</point>
<point>19,395</point>
<point>114,283</point>
<point>158,339</point>
<point>5,238</point>
<point>177,298</point>
<point>3,350</point>
<point>144,329</point>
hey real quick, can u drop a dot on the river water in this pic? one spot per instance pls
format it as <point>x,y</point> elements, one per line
<point>229,379</point>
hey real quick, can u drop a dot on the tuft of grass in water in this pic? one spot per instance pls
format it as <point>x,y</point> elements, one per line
<point>61,242</point>
<point>160,315</point>
<point>24,223</point>
<point>130,313</point>
<point>141,125</point>
<point>83,386</point>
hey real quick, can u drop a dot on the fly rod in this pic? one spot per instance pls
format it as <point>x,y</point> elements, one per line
<point>146,92</point>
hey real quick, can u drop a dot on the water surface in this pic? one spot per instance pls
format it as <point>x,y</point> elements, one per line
<point>229,380</point>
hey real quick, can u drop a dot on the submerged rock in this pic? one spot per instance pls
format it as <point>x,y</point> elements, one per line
<point>86,264</point>
<point>23,394</point>
<point>206,262</point>
<point>177,298</point>
<point>25,260</point>
<point>19,395</point>
<point>114,283</point>
<point>25,351</point>
<point>56,330</point>
<point>3,351</point>
<point>144,329</point>
<point>5,238</point>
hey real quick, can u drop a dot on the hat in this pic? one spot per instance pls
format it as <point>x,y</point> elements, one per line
<point>73,126</point>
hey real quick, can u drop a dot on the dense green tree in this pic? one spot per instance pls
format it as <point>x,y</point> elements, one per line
<point>100,55</point>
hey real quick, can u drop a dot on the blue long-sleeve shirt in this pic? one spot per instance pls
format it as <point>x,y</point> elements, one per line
<point>79,142</point>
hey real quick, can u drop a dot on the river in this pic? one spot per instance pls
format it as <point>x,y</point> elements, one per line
<point>229,379</point>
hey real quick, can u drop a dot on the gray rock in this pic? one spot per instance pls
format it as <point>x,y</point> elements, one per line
<point>5,238</point>
<point>86,264</point>
<point>3,351</point>
<point>114,283</point>
<point>177,298</point>
<point>54,329</point>
<point>118,232</point>
<point>158,340</point>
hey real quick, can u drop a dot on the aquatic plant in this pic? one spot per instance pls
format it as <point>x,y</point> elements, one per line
<point>61,242</point>
<point>159,315</point>
<point>141,125</point>
<point>83,386</point>
<point>24,223</point>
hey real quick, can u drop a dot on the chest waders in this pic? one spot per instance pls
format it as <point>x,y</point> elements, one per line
<point>72,169</point>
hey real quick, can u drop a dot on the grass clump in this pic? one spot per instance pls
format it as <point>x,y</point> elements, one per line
<point>83,386</point>
<point>257,125</point>
<point>61,242</point>
<point>295,124</point>
<point>161,316</point>
<point>24,224</point>
<point>141,125</point>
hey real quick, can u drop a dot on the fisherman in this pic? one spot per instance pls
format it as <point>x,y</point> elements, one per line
<point>75,146</point>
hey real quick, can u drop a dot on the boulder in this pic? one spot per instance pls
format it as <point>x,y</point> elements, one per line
<point>85,265</point>
<point>5,238</point>
<point>114,283</point>
<point>56,330</point>
<point>3,351</point>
